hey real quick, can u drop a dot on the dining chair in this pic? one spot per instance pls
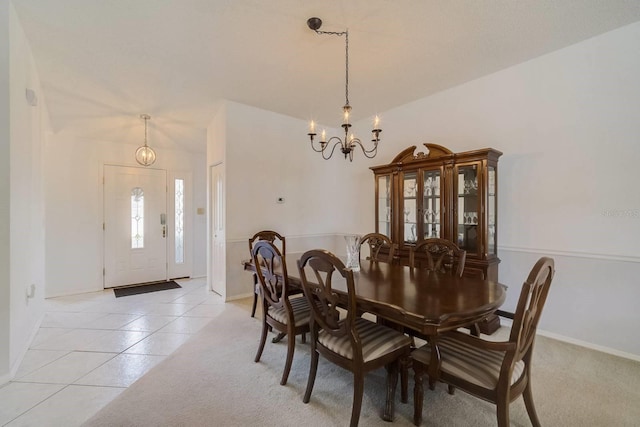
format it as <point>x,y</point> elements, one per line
<point>354,343</point>
<point>440,255</point>
<point>376,242</point>
<point>288,315</point>
<point>269,236</point>
<point>497,372</point>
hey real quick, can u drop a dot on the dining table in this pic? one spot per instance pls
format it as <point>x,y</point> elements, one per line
<point>425,301</point>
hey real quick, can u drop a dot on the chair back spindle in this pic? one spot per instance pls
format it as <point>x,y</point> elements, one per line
<point>441,255</point>
<point>272,273</point>
<point>376,242</point>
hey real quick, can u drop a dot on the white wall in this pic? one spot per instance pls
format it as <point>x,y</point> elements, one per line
<point>200,222</point>
<point>5,194</point>
<point>268,156</point>
<point>21,192</point>
<point>74,204</point>
<point>567,124</point>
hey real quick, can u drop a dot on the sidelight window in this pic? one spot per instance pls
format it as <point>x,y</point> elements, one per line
<point>137,218</point>
<point>179,221</point>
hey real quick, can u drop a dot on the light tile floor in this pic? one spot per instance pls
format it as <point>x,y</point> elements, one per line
<point>90,347</point>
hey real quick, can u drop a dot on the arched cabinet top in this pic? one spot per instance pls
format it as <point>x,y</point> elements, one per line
<point>410,155</point>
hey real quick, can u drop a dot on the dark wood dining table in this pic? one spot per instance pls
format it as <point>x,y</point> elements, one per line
<point>428,302</point>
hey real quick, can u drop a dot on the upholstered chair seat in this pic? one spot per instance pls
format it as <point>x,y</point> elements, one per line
<point>376,340</point>
<point>472,364</point>
<point>301,312</point>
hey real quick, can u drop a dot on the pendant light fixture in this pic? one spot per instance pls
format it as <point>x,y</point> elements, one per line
<point>349,143</point>
<point>145,154</point>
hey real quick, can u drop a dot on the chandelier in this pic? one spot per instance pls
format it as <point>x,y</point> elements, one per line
<point>145,154</point>
<point>350,142</point>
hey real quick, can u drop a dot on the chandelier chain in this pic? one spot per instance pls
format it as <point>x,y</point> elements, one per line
<point>346,54</point>
<point>346,80</point>
<point>145,131</point>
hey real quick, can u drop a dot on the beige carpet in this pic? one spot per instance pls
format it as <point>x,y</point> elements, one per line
<point>212,381</point>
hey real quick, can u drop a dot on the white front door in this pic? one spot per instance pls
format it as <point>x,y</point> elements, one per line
<point>135,229</point>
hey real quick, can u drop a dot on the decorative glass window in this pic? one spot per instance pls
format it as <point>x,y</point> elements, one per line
<point>179,222</point>
<point>137,218</point>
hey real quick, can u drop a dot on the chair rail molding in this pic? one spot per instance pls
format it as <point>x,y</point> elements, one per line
<point>574,254</point>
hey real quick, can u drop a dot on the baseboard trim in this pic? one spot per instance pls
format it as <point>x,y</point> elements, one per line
<point>241,296</point>
<point>580,343</point>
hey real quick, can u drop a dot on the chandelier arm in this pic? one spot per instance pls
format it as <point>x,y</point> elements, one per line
<point>313,146</point>
<point>338,142</point>
<point>364,150</point>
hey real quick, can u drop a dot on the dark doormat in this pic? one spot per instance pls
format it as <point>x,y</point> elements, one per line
<point>125,291</point>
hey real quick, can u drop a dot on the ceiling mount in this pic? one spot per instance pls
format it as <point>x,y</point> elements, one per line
<point>314,23</point>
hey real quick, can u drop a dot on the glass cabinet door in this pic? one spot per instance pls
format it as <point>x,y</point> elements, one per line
<point>431,224</point>
<point>384,205</point>
<point>492,208</point>
<point>410,207</point>
<point>468,215</point>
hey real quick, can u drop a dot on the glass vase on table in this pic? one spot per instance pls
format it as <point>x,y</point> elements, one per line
<point>353,251</point>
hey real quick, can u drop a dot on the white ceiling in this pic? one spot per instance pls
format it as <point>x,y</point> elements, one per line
<point>103,63</point>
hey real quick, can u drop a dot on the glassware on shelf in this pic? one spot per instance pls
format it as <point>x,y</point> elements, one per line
<point>406,215</point>
<point>470,218</point>
<point>410,190</point>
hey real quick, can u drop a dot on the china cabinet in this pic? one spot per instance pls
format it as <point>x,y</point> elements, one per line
<point>439,193</point>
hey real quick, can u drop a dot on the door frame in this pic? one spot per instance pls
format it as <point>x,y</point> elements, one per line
<point>172,270</point>
<point>216,260</point>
